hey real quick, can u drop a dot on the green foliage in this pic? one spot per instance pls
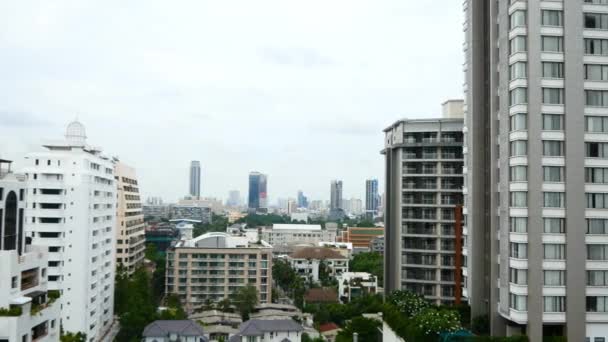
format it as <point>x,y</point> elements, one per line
<point>224,305</point>
<point>256,220</point>
<point>369,262</point>
<point>218,224</point>
<point>366,328</point>
<point>432,322</point>
<point>555,339</point>
<point>138,306</point>
<point>245,300</point>
<point>73,337</point>
<point>408,303</point>
<point>53,295</point>
<point>13,311</point>
<point>288,280</point>
<point>481,325</point>
<point>174,309</point>
<point>340,313</point>
<point>306,338</point>
<point>158,277</point>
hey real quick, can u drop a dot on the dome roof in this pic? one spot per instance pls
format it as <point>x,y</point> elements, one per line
<point>75,132</point>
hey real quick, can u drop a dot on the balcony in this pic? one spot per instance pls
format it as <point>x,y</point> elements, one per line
<point>29,279</point>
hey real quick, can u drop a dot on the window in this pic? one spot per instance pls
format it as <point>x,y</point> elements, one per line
<point>519,224</point>
<point>596,150</point>
<point>554,304</point>
<point>554,251</point>
<point>596,46</point>
<point>597,21</point>
<point>519,122</point>
<point>597,278</point>
<point>597,252</point>
<point>552,18</point>
<point>553,69</point>
<point>552,44</point>
<point>596,72</point>
<point>554,225</point>
<point>596,124</point>
<point>519,199</point>
<point>553,148</point>
<point>553,122</point>
<point>519,250</point>
<point>553,199</point>
<point>518,70</point>
<point>518,44</point>
<point>519,277</point>
<point>597,175</point>
<point>596,98</point>
<point>553,173</point>
<point>554,277</point>
<point>519,148</point>
<point>597,226</point>
<point>597,304</point>
<point>14,282</point>
<point>519,96</point>
<point>597,200</point>
<point>519,303</point>
<point>553,96</point>
<point>519,173</point>
<point>518,18</point>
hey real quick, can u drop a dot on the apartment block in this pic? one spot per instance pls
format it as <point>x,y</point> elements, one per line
<point>284,237</point>
<point>424,181</point>
<point>214,266</point>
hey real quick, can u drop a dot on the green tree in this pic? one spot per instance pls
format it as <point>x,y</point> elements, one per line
<point>368,262</point>
<point>218,224</point>
<point>245,300</point>
<point>366,328</point>
<point>140,307</point>
<point>408,303</point>
<point>174,309</point>
<point>73,337</point>
<point>306,338</point>
<point>257,220</point>
<point>224,305</point>
<point>121,290</point>
<point>431,322</point>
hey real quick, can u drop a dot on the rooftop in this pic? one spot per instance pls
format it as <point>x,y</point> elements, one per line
<point>328,327</point>
<point>221,240</point>
<point>318,253</point>
<point>257,327</point>
<point>283,226</point>
<point>321,295</point>
<point>181,327</point>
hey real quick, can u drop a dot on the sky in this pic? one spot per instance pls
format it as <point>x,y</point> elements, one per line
<point>299,90</point>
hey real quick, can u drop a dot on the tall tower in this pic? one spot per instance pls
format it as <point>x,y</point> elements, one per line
<point>71,211</point>
<point>372,199</point>
<point>195,179</point>
<point>535,136</point>
<point>258,196</point>
<point>336,195</point>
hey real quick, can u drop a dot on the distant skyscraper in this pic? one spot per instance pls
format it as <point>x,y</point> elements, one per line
<point>302,200</point>
<point>195,178</point>
<point>234,198</point>
<point>258,197</point>
<point>372,200</point>
<point>336,195</point>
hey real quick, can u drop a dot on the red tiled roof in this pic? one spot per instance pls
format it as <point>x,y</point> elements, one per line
<point>319,253</point>
<point>328,327</point>
<point>321,295</point>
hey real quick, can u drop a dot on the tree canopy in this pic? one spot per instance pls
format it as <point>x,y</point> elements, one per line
<point>245,300</point>
<point>369,262</point>
<point>366,328</point>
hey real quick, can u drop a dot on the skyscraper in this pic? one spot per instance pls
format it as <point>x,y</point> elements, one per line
<point>258,197</point>
<point>234,198</point>
<point>302,200</point>
<point>195,178</point>
<point>72,212</point>
<point>372,199</point>
<point>336,195</point>
<point>424,195</point>
<point>536,154</point>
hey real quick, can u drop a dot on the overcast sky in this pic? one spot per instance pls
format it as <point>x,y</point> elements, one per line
<point>299,90</point>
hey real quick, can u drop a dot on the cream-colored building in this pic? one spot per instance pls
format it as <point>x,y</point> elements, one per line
<point>130,228</point>
<point>213,266</point>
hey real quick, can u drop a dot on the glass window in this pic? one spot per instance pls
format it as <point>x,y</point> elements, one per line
<point>519,199</point>
<point>553,96</point>
<point>518,18</point>
<point>519,303</point>
<point>596,150</point>
<point>596,46</point>
<point>554,225</point>
<point>518,44</point>
<point>596,124</point>
<point>597,226</point>
<point>597,278</point>
<point>554,251</point>
<point>553,122</point>
<point>597,252</point>
<point>553,148</point>
<point>519,173</point>
<point>519,122</point>
<point>519,250</point>
<point>597,175</point>
<point>597,21</point>
<point>552,44</point>
<point>596,98</point>
<point>553,69</point>
<point>554,304</point>
<point>553,199</point>
<point>553,173</point>
<point>597,304</point>
<point>519,96</point>
<point>519,70</point>
<point>518,276</point>
<point>519,148</point>
<point>552,18</point>
<point>596,72</point>
<point>519,224</point>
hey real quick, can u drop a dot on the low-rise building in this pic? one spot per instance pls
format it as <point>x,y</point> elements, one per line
<point>192,212</point>
<point>377,245</point>
<point>329,331</point>
<point>326,295</point>
<point>360,237</point>
<point>307,262</point>
<point>256,330</point>
<point>215,265</point>
<point>219,325</point>
<point>174,331</point>
<point>283,237</point>
<point>161,236</point>
<point>356,284</point>
<point>344,248</point>
<point>156,211</point>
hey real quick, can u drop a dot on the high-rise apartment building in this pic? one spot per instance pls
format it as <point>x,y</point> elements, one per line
<point>372,199</point>
<point>33,312</point>
<point>258,196</point>
<point>71,210</point>
<point>424,181</point>
<point>195,179</point>
<point>336,195</point>
<point>130,234</point>
<point>536,154</point>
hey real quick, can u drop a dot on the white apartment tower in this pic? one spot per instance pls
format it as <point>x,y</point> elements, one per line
<point>71,209</point>
<point>130,235</point>
<point>536,166</point>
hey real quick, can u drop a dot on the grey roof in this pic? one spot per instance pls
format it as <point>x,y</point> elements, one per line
<point>257,327</point>
<point>164,328</point>
<point>285,340</point>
